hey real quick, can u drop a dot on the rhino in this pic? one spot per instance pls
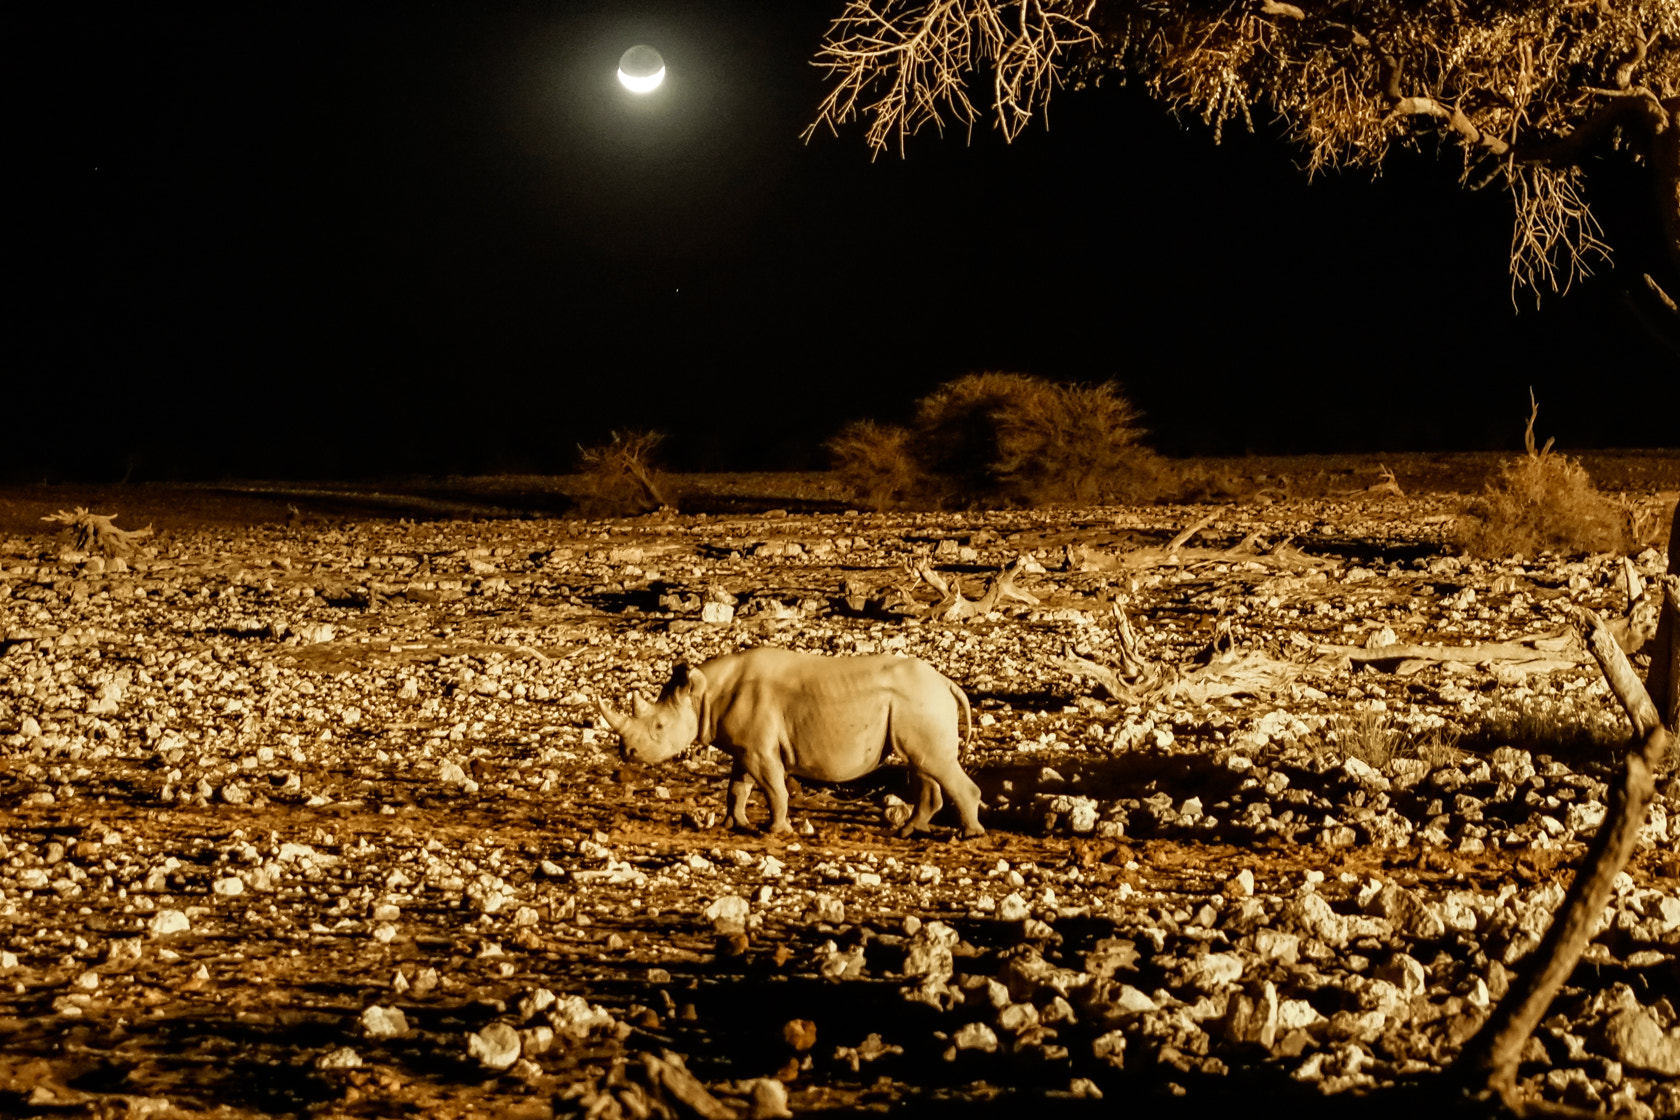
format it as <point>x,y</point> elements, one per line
<point>778,712</point>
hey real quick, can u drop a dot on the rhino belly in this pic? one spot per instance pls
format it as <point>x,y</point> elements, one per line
<point>836,750</point>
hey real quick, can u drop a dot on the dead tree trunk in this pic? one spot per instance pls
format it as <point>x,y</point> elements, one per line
<point>1663,682</point>
<point>1488,1064</point>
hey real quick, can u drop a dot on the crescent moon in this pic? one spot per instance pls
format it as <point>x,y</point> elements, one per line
<point>643,83</point>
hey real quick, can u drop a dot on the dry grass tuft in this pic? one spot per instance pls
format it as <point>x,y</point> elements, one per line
<point>619,478</point>
<point>1539,503</point>
<point>1366,735</point>
<point>1372,737</point>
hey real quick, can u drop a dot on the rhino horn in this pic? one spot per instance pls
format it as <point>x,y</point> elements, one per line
<point>638,706</point>
<point>614,720</point>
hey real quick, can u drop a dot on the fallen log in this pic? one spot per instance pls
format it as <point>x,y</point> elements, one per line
<point>1474,654</point>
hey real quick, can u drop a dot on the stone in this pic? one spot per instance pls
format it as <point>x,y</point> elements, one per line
<point>1213,971</point>
<point>976,1036</point>
<point>166,922</point>
<point>1408,914</point>
<point>727,914</point>
<point>800,1034</point>
<point>768,1100</point>
<point>1251,1015</point>
<point>1635,1038</point>
<point>342,1058</point>
<point>1110,1048</point>
<point>577,1017</point>
<point>495,1047</point>
<point>384,1022</point>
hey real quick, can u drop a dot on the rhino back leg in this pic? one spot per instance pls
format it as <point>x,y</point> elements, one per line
<point>931,746</point>
<point>928,802</point>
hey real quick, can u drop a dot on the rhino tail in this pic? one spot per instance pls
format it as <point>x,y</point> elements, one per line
<point>968,721</point>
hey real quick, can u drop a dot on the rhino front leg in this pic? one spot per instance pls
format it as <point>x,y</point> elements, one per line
<point>740,791</point>
<point>774,781</point>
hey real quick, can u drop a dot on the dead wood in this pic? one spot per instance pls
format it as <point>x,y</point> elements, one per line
<point>954,607</point>
<point>1387,484</point>
<point>94,531</point>
<point>1474,655</point>
<point>1219,670</point>
<point>1134,679</point>
<point>1251,549</point>
<point>1663,683</point>
<point>1184,535</point>
<point>1490,1058</point>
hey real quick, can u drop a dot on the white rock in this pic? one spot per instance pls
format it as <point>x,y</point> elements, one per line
<point>384,1022</point>
<point>229,887</point>
<point>769,1100</point>
<point>1297,1014</point>
<point>1214,970</point>
<point>165,922</point>
<point>575,1016</point>
<point>728,914</point>
<point>342,1058</point>
<point>976,1036</point>
<point>495,1047</point>
<point>1110,1048</point>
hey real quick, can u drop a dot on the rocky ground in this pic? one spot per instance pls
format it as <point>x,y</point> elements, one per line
<point>304,808</point>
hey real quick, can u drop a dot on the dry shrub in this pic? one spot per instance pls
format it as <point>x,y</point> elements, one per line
<point>1539,503</point>
<point>1007,439</point>
<point>619,478</point>
<point>959,428</point>
<point>1068,443</point>
<point>875,463</point>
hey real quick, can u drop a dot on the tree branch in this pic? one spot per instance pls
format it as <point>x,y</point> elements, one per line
<point>1636,109</point>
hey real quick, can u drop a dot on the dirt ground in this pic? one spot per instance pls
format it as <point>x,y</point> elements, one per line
<point>306,809</point>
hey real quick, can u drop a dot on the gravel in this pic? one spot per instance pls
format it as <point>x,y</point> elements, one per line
<point>334,799</point>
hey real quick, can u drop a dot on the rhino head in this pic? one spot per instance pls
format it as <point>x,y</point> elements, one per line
<point>654,732</point>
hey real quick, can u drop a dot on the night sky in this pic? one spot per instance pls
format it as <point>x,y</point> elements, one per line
<point>368,239</point>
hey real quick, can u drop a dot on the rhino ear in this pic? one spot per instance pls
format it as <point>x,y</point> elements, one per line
<point>694,683</point>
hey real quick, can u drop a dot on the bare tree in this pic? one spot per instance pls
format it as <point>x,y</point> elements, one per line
<point>1528,90</point>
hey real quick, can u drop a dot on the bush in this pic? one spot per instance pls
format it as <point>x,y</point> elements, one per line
<point>875,463</point>
<point>619,478</point>
<point>1541,502</point>
<point>1006,438</point>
